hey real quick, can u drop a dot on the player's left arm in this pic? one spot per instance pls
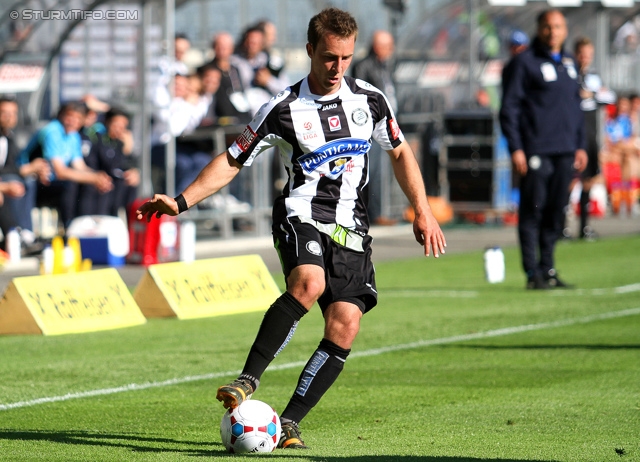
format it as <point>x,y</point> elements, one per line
<point>425,227</point>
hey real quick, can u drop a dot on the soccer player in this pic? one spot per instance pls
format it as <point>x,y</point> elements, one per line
<point>322,125</point>
<point>593,94</point>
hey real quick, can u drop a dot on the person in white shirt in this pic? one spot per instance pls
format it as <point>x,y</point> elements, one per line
<point>180,115</point>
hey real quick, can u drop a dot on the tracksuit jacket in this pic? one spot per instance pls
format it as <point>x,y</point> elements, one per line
<point>540,111</point>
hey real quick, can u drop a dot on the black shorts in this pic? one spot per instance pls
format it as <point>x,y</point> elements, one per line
<point>349,273</point>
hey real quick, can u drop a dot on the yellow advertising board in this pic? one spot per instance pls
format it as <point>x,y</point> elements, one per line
<point>204,288</point>
<point>57,304</point>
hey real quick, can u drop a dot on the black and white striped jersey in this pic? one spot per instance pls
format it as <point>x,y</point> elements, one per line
<point>324,143</point>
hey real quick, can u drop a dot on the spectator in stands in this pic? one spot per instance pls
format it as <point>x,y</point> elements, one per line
<point>180,117</point>
<point>18,204</point>
<point>593,94</point>
<point>518,42</point>
<point>59,144</point>
<point>169,67</point>
<point>210,77</point>
<point>252,62</point>
<point>634,99</point>
<point>8,189</point>
<point>635,124</point>
<point>107,153</point>
<point>544,127</point>
<point>621,149</point>
<point>275,63</point>
<point>377,69</point>
<point>232,104</point>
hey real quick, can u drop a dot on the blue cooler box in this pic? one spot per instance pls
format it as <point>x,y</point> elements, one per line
<point>103,239</point>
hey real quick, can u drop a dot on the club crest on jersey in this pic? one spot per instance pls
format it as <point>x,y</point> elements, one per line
<point>359,116</point>
<point>245,139</point>
<point>334,123</point>
<point>344,148</point>
<point>314,248</point>
<point>339,166</point>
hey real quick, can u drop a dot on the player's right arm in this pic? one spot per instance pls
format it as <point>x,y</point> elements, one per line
<point>217,174</point>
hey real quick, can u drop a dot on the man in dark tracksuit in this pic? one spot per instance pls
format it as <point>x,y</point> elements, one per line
<point>544,126</point>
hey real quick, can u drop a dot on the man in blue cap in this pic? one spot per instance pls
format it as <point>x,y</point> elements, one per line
<point>518,42</point>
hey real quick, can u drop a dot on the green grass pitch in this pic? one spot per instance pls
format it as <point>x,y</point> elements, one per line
<point>447,368</point>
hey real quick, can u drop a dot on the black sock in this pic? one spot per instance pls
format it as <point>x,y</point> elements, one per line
<point>277,328</point>
<point>318,375</point>
<point>584,210</point>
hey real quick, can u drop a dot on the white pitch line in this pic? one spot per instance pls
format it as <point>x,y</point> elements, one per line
<point>628,289</point>
<point>357,354</point>
<point>409,293</point>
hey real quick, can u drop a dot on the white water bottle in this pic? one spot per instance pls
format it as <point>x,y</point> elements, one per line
<point>494,265</point>
<point>13,245</point>
<point>187,241</point>
<point>47,261</point>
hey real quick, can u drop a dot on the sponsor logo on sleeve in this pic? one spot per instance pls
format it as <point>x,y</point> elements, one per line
<point>395,129</point>
<point>245,139</point>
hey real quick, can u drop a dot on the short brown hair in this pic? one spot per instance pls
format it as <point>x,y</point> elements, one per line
<point>331,21</point>
<point>581,42</point>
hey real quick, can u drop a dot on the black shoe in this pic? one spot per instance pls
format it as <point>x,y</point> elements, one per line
<point>537,282</point>
<point>588,234</point>
<point>290,437</point>
<point>554,282</point>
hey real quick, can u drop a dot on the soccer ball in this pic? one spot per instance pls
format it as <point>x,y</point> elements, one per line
<point>253,426</point>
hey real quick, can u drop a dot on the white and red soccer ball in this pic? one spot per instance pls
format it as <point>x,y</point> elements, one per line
<point>254,426</point>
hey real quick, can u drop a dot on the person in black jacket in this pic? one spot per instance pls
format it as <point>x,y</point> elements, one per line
<point>544,126</point>
<point>377,69</point>
<point>12,169</point>
<point>107,153</point>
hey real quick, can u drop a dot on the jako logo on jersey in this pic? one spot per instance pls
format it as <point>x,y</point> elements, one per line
<point>334,123</point>
<point>344,147</point>
<point>330,106</point>
<point>245,139</point>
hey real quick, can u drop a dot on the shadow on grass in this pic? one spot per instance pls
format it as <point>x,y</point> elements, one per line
<point>133,442</point>
<point>147,444</point>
